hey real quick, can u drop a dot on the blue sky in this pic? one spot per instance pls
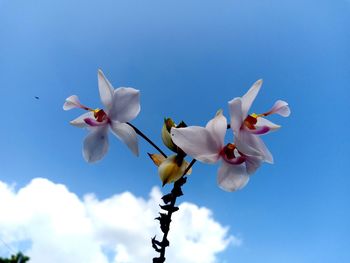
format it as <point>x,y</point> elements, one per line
<point>189,58</point>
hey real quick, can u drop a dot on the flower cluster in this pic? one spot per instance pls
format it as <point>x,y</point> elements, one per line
<point>244,156</point>
<point>239,159</point>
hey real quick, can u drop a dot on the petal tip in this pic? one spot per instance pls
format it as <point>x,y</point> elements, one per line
<point>136,152</point>
<point>235,100</point>
<point>287,112</point>
<point>77,124</point>
<point>220,112</point>
<point>280,107</point>
<point>72,102</point>
<point>258,84</point>
<point>270,160</point>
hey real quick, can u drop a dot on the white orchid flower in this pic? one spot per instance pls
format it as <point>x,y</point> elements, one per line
<point>121,105</point>
<point>247,128</point>
<point>206,144</point>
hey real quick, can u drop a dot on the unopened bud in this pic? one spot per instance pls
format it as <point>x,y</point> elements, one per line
<point>172,169</point>
<point>166,137</point>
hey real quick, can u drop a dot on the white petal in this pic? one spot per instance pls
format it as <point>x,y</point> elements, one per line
<point>235,107</point>
<point>127,135</point>
<point>72,102</point>
<point>96,144</point>
<point>252,164</point>
<point>264,123</point>
<point>249,97</point>
<point>244,147</point>
<point>232,177</point>
<point>197,142</point>
<point>217,127</point>
<point>106,89</point>
<point>257,144</point>
<point>125,105</point>
<point>280,107</point>
<point>79,122</point>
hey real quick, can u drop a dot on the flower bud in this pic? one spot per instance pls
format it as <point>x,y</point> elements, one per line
<point>166,137</point>
<point>157,158</point>
<point>172,169</point>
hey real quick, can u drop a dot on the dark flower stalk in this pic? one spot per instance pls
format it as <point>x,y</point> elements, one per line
<point>147,139</point>
<point>165,218</point>
<point>169,207</point>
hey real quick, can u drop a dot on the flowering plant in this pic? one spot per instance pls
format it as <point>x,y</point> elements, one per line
<point>239,158</point>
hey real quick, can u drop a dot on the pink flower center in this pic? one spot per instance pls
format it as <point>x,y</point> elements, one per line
<point>251,121</point>
<point>100,118</point>
<point>228,154</point>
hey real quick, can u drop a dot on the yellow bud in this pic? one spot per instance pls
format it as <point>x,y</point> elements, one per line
<point>157,158</point>
<point>166,137</point>
<point>172,168</point>
<point>219,112</point>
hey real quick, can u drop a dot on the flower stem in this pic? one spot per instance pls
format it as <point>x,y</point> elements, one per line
<point>165,218</point>
<point>168,199</point>
<point>147,139</point>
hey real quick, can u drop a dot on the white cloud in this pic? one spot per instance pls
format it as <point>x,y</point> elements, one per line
<point>60,227</point>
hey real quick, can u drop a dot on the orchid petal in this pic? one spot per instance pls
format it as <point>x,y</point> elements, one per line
<point>244,148</point>
<point>255,143</point>
<point>264,126</point>
<point>72,102</point>
<point>252,163</point>
<point>235,107</point>
<point>197,142</point>
<point>80,121</point>
<point>127,135</point>
<point>217,127</point>
<point>94,123</point>
<point>249,97</point>
<point>96,144</point>
<point>125,105</point>
<point>260,131</point>
<point>106,89</point>
<point>232,177</point>
<point>281,108</point>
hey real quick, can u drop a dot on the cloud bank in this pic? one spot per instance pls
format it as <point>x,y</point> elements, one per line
<point>57,226</point>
